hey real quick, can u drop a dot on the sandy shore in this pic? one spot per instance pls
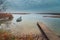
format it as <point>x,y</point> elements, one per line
<point>24,31</point>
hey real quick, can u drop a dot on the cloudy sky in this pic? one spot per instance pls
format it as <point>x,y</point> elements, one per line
<point>34,5</point>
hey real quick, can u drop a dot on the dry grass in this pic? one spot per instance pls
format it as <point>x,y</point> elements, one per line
<point>5,35</point>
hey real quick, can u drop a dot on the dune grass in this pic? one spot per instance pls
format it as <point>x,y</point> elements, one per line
<point>6,35</point>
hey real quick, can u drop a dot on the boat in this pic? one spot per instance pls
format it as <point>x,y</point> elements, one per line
<point>19,19</point>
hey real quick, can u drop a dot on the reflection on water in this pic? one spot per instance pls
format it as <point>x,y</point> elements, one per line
<point>28,24</point>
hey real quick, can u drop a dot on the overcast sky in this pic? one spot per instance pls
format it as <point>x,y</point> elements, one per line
<point>34,5</point>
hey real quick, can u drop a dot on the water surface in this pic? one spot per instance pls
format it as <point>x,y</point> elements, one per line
<point>29,23</point>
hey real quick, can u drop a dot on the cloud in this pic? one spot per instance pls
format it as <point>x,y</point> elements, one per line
<point>34,4</point>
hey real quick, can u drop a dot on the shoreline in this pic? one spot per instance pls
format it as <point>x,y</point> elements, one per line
<point>55,16</point>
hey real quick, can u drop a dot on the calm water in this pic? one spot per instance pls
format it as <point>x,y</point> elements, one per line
<point>52,23</point>
<point>31,20</point>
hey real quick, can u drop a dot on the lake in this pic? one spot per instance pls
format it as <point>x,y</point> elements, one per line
<point>29,23</point>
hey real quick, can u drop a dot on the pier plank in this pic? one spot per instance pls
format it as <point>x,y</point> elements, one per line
<point>49,33</point>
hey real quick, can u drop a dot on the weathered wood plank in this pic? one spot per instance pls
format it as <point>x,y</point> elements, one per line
<point>50,35</point>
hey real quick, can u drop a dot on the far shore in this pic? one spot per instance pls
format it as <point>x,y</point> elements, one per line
<point>55,16</point>
<point>21,13</point>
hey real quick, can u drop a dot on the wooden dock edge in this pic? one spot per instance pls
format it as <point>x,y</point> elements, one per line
<point>49,34</point>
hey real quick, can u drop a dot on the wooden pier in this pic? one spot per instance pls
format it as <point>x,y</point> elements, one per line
<point>46,32</point>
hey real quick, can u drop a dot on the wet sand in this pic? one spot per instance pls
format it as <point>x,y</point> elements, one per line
<point>25,27</point>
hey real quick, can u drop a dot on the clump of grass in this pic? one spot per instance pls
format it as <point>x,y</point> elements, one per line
<point>28,37</point>
<point>5,35</point>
